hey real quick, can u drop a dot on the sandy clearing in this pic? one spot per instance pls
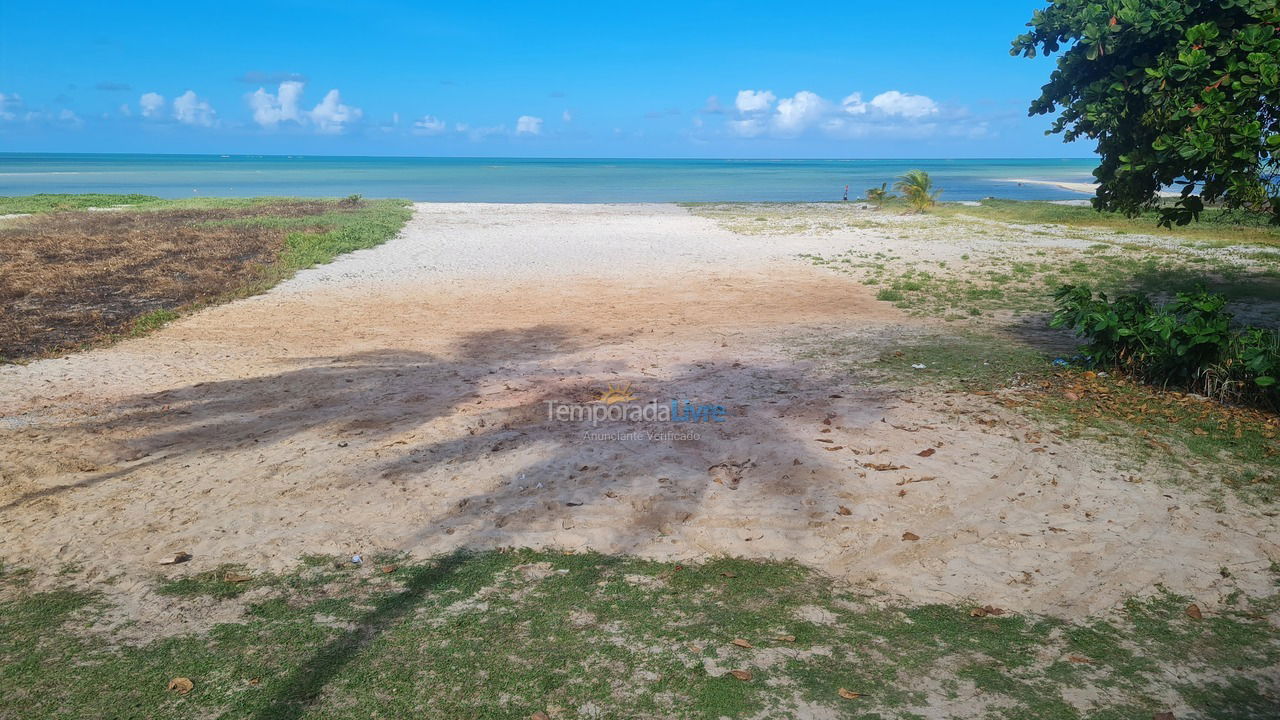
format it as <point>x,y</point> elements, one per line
<point>396,400</point>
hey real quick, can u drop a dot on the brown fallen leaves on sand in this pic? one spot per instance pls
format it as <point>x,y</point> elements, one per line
<point>180,685</point>
<point>881,467</point>
<point>743,675</point>
<point>1193,611</point>
<point>910,536</point>
<point>741,643</point>
<point>848,694</point>
<point>234,577</point>
<point>176,558</point>
<point>926,452</point>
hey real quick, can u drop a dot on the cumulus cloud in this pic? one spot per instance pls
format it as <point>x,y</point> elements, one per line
<point>151,104</point>
<point>271,109</point>
<point>904,104</point>
<point>892,112</point>
<point>754,101</point>
<point>331,116</point>
<point>189,109</point>
<point>429,125</point>
<point>796,114</point>
<point>528,125</point>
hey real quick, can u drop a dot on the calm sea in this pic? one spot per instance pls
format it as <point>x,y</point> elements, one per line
<point>521,180</point>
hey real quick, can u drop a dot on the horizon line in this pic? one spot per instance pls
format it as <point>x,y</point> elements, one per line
<point>538,157</point>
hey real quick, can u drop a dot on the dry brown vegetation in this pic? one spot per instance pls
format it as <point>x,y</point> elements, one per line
<point>69,278</point>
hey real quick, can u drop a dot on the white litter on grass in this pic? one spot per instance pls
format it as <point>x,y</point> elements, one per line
<point>918,366</point>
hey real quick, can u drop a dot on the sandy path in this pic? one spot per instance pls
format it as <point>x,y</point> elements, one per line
<point>396,400</point>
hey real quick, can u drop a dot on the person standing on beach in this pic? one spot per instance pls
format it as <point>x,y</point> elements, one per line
<point>846,193</point>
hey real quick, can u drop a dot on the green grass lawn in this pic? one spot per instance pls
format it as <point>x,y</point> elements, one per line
<point>510,634</point>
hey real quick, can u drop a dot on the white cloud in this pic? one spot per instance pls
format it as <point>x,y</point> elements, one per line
<point>753,101</point>
<point>853,104</point>
<point>797,114</point>
<point>189,109</point>
<point>331,116</point>
<point>151,103</point>
<point>904,104</point>
<point>429,125</point>
<point>271,109</point>
<point>889,113</point>
<point>529,125</point>
<point>566,116</point>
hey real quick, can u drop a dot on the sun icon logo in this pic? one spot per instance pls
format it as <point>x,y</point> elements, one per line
<point>617,394</point>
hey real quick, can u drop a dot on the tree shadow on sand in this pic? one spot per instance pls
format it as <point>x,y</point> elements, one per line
<point>762,461</point>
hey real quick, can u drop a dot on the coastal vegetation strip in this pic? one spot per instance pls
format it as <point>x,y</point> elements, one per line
<point>83,269</point>
<point>509,634</point>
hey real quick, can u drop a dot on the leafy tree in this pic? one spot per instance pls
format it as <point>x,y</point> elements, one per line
<point>917,187</point>
<point>877,196</point>
<point>1174,91</point>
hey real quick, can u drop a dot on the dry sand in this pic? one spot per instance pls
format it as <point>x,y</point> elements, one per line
<point>396,400</point>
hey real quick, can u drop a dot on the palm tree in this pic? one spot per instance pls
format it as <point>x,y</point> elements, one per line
<point>877,196</point>
<point>917,186</point>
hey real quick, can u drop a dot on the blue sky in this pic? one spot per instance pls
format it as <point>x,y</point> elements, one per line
<point>650,79</point>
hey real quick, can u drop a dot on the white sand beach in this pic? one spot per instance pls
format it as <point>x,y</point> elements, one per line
<point>397,400</point>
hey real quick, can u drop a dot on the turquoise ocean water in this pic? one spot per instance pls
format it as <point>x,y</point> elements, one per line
<point>521,180</point>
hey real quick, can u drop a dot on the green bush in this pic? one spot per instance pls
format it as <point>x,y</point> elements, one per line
<point>1188,343</point>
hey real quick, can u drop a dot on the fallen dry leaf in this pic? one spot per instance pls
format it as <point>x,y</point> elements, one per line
<point>181,685</point>
<point>1193,611</point>
<point>1079,659</point>
<point>729,574</point>
<point>539,716</point>
<point>180,557</point>
<point>1163,716</point>
<point>743,675</point>
<point>786,638</point>
<point>844,510</point>
<point>926,452</point>
<point>741,643</point>
<point>232,577</point>
<point>848,694</point>
<point>881,467</point>
<point>910,536</point>
<point>388,569</point>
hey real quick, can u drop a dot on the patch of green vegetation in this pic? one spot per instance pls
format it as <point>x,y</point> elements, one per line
<point>967,361</point>
<point>1232,227</point>
<point>318,239</point>
<point>508,634</point>
<point>153,320</point>
<point>44,203</point>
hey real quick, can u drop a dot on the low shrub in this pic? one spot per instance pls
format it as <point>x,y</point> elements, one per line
<point>1188,343</point>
